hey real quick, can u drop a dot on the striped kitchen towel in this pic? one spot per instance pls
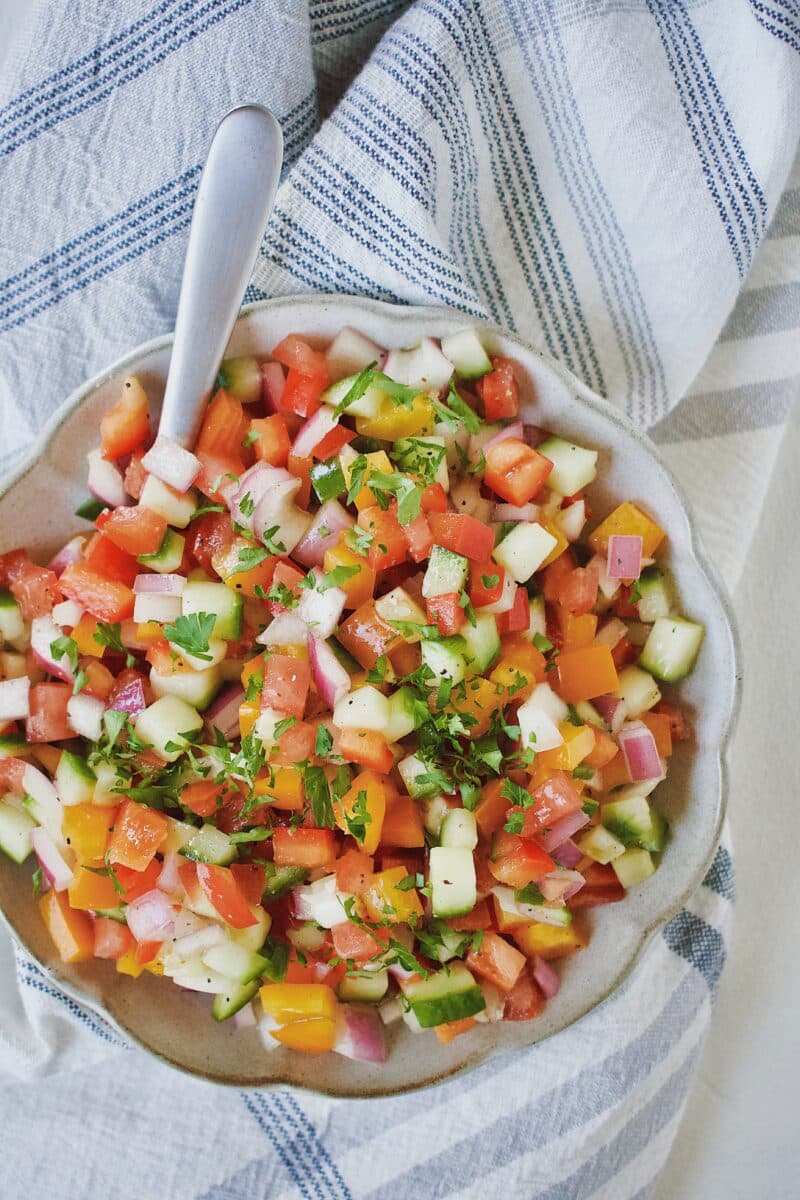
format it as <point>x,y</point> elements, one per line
<point>612,179</point>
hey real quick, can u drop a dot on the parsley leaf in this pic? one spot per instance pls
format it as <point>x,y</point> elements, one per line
<point>359,817</point>
<point>206,508</point>
<point>37,879</point>
<point>490,581</point>
<point>336,577</point>
<point>191,633</point>
<point>255,686</point>
<point>542,643</point>
<point>515,794</point>
<point>530,894</point>
<point>283,726</point>
<point>111,635</point>
<point>457,412</point>
<point>582,772</point>
<point>259,834</point>
<point>377,674</point>
<point>573,716</point>
<point>65,647</point>
<point>359,540</point>
<point>251,557</point>
<point>515,823</point>
<point>318,792</point>
<point>357,389</point>
<point>324,742</point>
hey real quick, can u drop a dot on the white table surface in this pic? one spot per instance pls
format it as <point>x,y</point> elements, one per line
<point>739,1139</point>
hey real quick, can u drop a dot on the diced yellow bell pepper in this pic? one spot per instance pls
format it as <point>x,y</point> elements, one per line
<point>155,967</point>
<point>365,799</point>
<point>249,582</point>
<point>86,829</point>
<point>128,964</point>
<point>392,421</point>
<point>287,1002</point>
<point>385,901</point>
<point>83,637</point>
<point>253,666</point>
<point>629,520</point>
<point>561,542</point>
<point>90,891</point>
<point>249,712</point>
<point>358,588</point>
<point>481,699</point>
<point>520,667</point>
<point>507,921</point>
<point>578,743</point>
<point>549,941</point>
<point>71,931</point>
<point>282,788</point>
<point>149,632</point>
<point>577,631</point>
<point>377,460</point>
<point>314,1037</point>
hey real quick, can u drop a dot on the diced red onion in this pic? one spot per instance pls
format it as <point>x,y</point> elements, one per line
<point>150,917</point>
<point>514,430</point>
<point>624,559</point>
<point>256,483</point>
<point>560,885</point>
<point>360,1035</point>
<point>272,384</point>
<point>612,633</point>
<point>165,585</point>
<point>105,480</point>
<point>515,512</point>
<point>287,629</point>
<point>58,871</point>
<point>130,698</point>
<point>613,710</point>
<point>546,977</point>
<point>608,586</point>
<point>561,830</point>
<point>172,464</point>
<point>639,748</point>
<point>321,610</point>
<point>44,632</point>
<point>85,715</point>
<point>67,613</point>
<point>567,855</point>
<point>15,699</point>
<point>330,677</point>
<point>68,554</point>
<point>276,511</point>
<point>572,519</point>
<point>311,433</point>
<point>169,880</point>
<point>245,1018</point>
<point>330,517</point>
<point>224,712</point>
<point>533,434</point>
<point>487,437</point>
<point>156,606</point>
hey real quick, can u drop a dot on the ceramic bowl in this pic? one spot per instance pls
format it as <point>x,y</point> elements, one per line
<point>36,508</point>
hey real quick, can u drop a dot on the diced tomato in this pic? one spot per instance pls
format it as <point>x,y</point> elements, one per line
<point>250,879</point>
<point>517,861</point>
<point>601,887</point>
<point>623,606</point>
<point>555,574</point>
<point>12,771</point>
<point>209,535</point>
<point>485,583</point>
<point>367,748</point>
<point>36,590</point>
<point>515,471</point>
<point>134,530</point>
<point>203,798</point>
<point>479,918</point>
<point>366,636</point>
<point>330,445</point>
<point>446,613</point>
<point>136,883</point>
<point>107,560</point>
<point>402,823</point>
<point>354,871</point>
<point>301,971</point>
<point>224,427</point>
<point>301,469</point>
<point>296,744</point>
<point>138,832</point>
<point>13,564</point>
<point>304,847</point>
<point>680,727</point>
<point>295,352</point>
<point>286,684</point>
<point>434,499</point>
<point>103,598</point>
<point>624,654</point>
<point>525,1000</point>
<point>419,538</point>
<point>498,390</point>
<point>288,575</point>
<point>518,617</point>
<point>497,960</point>
<point>270,439</point>
<point>218,472</point>
<point>221,888</point>
<point>389,547</point>
<point>462,534</point>
<point>111,938</point>
<point>126,426</point>
<point>135,474</point>
<point>48,713</point>
<point>302,393</point>
<point>578,591</point>
<point>557,797</point>
<point>354,941</point>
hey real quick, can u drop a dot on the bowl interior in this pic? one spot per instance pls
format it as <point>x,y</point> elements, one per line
<point>36,511</point>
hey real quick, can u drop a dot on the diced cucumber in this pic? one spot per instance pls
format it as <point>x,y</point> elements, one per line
<point>252,937</point>
<point>435,809</point>
<point>448,995</point>
<point>169,555</point>
<point>15,832</point>
<point>222,601</point>
<point>574,467</point>
<point>197,688</point>
<point>446,943</point>
<point>466,353</point>
<point>74,780</point>
<point>280,880</point>
<point>672,647</point>
<point>600,845</point>
<point>537,622</point>
<point>523,550</point>
<point>369,988</point>
<point>451,872</point>
<point>413,770</point>
<point>428,447</point>
<point>112,914</point>
<point>589,714</point>
<point>12,626</point>
<point>176,509</point>
<point>368,405</point>
<point>215,655</point>
<point>234,962</point>
<point>402,718</point>
<point>523,913</point>
<point>397,605</point>
<point>210,845</point>
<point>308,938</point>
<point>226,1004</point>
<point>446,573</point>
<point>633,867</point>
<point>481,643</point>
<point>179,834</point>
<point>165,724</point>
<point>638,689</point>
<point>365,708</point>
<point>459,829</point>
<point>656,594</point>
<point>241,376</point>
<point>446,658</point>
<point>634,822</point>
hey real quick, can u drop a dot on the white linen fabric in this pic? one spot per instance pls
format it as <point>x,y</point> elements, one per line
<point>612,180</point>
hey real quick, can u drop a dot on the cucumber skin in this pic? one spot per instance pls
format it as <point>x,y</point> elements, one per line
<point>453,1007</point>
<point>228,1004</point>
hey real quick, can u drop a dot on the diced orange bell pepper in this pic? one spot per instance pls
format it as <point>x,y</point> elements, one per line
<point>316,1036</point>
<point>301,469</point>
<point>366,636</point>
<point>445,1034</point>
<point>362,809</point>
<point>577,744</point>
<point>270,439</point>
<point>224,427</point>
<point>660,726</point>
<point>385,901</point>
<point>89,891</point>
<point>249,712</point>
<point>286,1002</point>
<point>628,519</point>
<point>561,542</point>
<point>576,631</point>
<point>71,931</point>
<point>481,699</point>
<point>604,749</point>
<point>492,807</point>
<point>86,829</point>
<point>549,941</point>
<point>520,668</point>
<point>129,964</point>
<point>402,824</point>
<point>616,772</point>
<point>358,588</point>
<point>496,960</point>
<point>83,637</point>
<point>226,561</point>
<point>138,832</point>
<point>584,674</point>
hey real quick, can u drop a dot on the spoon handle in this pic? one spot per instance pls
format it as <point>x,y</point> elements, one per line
<point>234,200</point>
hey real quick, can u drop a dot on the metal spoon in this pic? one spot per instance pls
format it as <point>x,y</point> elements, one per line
<point>234,201</point>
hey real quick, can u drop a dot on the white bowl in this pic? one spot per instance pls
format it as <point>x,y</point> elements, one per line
<point>36,508</point>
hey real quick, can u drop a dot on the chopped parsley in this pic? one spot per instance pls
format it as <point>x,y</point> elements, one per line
<point>191,634</point>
